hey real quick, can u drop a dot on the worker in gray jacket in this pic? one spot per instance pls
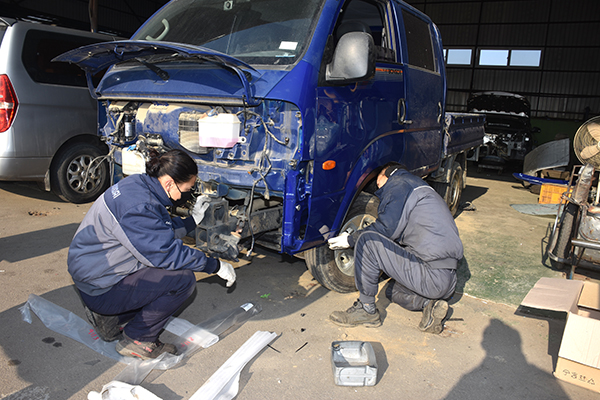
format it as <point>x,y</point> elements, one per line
<point>414,241</point>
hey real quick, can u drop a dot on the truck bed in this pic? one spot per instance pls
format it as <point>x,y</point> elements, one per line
<point>465,131</point>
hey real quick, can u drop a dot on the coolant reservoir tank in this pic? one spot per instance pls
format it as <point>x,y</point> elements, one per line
<point>221,130</point>
<point>133,161</point>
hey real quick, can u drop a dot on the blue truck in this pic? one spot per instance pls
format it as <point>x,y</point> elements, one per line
<point>290,109</point>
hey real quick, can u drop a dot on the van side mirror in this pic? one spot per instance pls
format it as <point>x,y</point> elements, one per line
<point>353,59</point>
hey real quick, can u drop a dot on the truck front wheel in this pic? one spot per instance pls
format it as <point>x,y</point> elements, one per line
<point>335,269</point>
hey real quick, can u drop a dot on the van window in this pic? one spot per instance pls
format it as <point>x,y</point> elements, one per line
<point>418,42</point>
<point>2,31</point>
<point>40,47</point>
<point>364,16</point>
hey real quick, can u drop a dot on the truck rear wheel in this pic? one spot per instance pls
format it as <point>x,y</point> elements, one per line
<point>71,179</point>
<point>335,269</point>
<point>452,190</point>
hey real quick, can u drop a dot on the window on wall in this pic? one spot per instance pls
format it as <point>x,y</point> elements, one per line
<point>497,58</point>
<point>458,56</point>
<point>509,58</point>
<point>525,58</point>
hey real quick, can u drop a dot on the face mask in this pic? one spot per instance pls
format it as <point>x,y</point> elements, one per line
<point>185,197</point>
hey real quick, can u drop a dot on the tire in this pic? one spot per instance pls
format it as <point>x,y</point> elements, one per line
<point>69,173</point>
<point>335,269</point>
<point>560,247</point>
<point>452,191</point>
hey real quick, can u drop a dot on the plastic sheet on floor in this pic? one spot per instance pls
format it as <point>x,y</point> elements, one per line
<point>224,384</point>
<point>190,337</point>
<point>536,209</point>
<point>115,390</point>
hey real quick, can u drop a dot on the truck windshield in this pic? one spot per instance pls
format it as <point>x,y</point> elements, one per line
<point>273,32</point>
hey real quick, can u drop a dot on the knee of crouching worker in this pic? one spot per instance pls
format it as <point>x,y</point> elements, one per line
<point>188,282</point>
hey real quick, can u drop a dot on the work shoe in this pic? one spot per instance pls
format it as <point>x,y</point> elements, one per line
<point>145,350</point>
<point>433,316</point>
<point>355,316</point>
<point>106,326</point>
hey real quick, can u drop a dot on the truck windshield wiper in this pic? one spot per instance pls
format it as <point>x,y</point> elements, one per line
<point>162,74</point>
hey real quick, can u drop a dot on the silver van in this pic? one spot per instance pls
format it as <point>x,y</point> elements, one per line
<point>48,121</point>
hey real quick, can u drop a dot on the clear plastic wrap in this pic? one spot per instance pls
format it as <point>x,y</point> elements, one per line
<point>225,382</point>
<point>190,337</point>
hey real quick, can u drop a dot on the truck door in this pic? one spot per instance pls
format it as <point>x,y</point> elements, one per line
<point>351,117</point>
<point>422,108</point>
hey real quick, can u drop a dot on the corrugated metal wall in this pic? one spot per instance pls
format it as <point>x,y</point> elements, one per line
<point>121,17</point>
<point>567,83</point>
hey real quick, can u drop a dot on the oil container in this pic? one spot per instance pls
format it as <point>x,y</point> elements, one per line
<point>353,363</point>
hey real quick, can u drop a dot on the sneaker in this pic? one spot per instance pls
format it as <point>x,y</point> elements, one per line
<point>355,316</point>
<point>433,316</point>
<point>145,350</point>
<point>106,326</point>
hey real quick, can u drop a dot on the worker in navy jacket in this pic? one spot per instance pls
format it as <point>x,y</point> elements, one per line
<point>414,241</point>
<point>128,261</point>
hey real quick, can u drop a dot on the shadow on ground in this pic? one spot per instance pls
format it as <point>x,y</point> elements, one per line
<point>501,373</point>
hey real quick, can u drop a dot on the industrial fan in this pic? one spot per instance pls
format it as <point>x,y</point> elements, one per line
<point>587,142</point>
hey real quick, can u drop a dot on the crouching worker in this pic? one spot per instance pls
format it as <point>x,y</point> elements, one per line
<point>414,241</point>
<point>128,261</point>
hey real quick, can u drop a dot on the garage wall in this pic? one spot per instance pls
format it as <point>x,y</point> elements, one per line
<point>120,17</point>
<point>566,85</point>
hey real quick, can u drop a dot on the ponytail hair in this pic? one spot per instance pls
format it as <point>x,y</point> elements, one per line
<point>175,163</point>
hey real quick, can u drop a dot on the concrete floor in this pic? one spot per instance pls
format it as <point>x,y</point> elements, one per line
<point>488,349</point>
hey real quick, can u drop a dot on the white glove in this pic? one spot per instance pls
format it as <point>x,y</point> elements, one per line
<point>339,242</point>
<point>199,208</point>
<point>226,272</point>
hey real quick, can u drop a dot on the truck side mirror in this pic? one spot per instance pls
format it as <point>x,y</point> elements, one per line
<point>353,59</point>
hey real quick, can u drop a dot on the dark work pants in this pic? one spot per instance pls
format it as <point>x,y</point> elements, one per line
<point>147,298</point>
<point>415,282</point>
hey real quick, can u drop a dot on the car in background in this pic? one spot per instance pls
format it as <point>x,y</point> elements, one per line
<point>509,135</point>
<point>48,120</point>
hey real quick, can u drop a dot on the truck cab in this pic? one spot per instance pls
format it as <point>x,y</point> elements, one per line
<point>289,109</point>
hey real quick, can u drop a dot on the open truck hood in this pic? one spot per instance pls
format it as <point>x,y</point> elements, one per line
<point>97,57</point>
<point>499,103</point>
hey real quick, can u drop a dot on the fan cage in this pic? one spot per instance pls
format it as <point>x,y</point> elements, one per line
<point>583,138</point>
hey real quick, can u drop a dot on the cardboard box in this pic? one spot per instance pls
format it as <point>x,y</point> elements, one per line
<point>555,174</point>
<point>579,354</point>
<point>552,194</point>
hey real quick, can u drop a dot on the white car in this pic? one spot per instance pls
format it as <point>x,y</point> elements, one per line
<point>48,120</point>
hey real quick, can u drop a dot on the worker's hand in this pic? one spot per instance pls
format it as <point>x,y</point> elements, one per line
<point>199,208</point>
<point>339,242</point>
<point>226,272</point>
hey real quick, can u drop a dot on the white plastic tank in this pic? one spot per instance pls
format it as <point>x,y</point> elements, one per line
<point>220,130</point>
<point>133,161</point>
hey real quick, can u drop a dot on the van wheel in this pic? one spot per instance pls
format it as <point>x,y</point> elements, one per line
<point>335,269</point>
<point>451,191</point>
<point>73,180</point>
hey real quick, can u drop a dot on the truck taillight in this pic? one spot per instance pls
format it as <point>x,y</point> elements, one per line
<point>8,103</point>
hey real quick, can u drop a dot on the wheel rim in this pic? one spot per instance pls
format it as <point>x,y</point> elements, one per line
<point>81,178</point>
<point>455,189</point>
<point>344,259</point>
